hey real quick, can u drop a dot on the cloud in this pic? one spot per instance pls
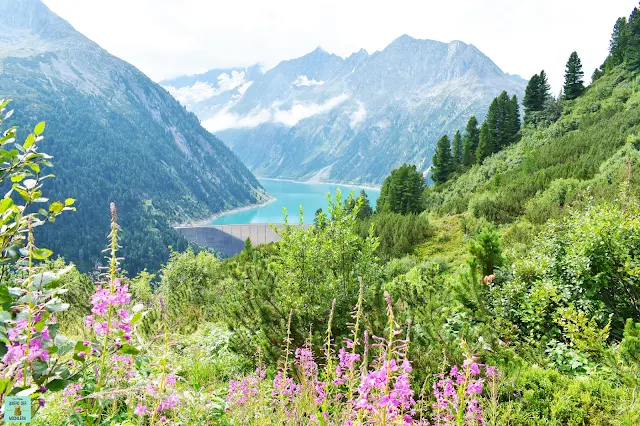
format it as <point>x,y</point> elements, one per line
<point>228,120</point>
<point>225,119</point>
<point>301,111</point>
<point>192,94</point>
<point>357,116</point>
<point>201,90</point>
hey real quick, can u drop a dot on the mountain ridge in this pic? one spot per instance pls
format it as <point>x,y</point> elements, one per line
<point>351,120</point>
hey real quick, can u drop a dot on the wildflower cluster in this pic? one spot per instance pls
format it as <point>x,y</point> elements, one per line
<point>456,393</point>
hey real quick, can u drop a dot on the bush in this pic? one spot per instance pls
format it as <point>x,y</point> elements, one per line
<point>397,234</point>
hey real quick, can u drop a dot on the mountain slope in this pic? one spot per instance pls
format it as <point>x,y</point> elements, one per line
<point>324,118</point>
<point>115,136</point>
<point>588,154</point>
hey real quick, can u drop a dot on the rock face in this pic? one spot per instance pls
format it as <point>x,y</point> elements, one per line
<point>324,118</point>
<point>115,136</point>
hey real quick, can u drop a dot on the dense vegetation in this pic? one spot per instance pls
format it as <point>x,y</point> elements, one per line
<point>506,295</point>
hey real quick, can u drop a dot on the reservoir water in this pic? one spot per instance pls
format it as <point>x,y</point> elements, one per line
<point>292,195</point>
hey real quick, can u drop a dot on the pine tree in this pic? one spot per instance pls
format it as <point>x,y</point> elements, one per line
<point>365,208</point>
<point>544,91</point>
<point>632,45</point>
<point>442,163</point>
<point>573,77</point>
<point>402,191</point>
<point>530,101</point>
<point>502,130</point>
<point>457,149</point>
<point>536,95</point>
<point>618,44</point>
<point>486,143</point>
<point>513,119</point>
<point>492,137</point>
<point>471,140</point>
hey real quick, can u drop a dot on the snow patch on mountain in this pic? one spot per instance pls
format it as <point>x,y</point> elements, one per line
<point>303,80</point>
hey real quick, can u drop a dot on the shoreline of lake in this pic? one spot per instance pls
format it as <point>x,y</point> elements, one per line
<point>208,221</point>
<point>350,185</point>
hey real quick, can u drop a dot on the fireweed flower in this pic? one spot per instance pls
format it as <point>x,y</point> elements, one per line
<point>456,393</point>
<point>141,410</point>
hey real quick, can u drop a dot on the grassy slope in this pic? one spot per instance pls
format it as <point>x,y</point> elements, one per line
<point>585,152</point>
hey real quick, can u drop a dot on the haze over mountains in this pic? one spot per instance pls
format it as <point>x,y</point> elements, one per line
<point>115,136</point>
<point>324,118</point>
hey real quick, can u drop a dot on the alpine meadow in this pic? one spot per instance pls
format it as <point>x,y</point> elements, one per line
<point>477,261</point>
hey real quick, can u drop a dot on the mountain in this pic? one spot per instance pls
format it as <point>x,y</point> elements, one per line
<point>116,136</point>
<point>324,118</point>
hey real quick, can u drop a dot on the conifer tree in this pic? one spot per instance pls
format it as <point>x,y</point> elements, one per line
<point>536,95</point>
<point>486,143</point>
<point>618,44</point>
<point>442,163</point>
<point>573,77</point>
<point>544,92</point>
<point>502,129</point>
<point>457,149</point>
<point>471,140</point>
<point>365,208</point>
<point>402,191</point>
<point>632,45</point>
<point>514,119</point>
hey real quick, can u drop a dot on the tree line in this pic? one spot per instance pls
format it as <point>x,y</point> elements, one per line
<point>502,124</point>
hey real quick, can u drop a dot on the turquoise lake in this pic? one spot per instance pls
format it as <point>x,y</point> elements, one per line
<point>292,195</point>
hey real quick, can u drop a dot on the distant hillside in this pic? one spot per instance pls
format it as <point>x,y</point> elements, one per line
<point>115,136</point>
<point>587,154</point>
<point>324,118</point>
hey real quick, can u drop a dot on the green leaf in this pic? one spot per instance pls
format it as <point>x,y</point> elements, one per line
<point>41,253</point>
<point>56,306</point>
<point>5,204</point>
<point>129,350</point>
<point>56,207</point>
<point>63,343</point>
<point>39,128</point>
<point>56,385</point>
<point>39,368</point>
<point>31,139</point>
<point>5,384</point>
<point>4,295</point>
<point>69,201</point>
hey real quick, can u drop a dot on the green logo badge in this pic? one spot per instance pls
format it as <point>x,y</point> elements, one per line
<point>17,409</point>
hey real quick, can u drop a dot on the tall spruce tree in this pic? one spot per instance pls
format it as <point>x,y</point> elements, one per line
<point>618,44</point>
<point>457,149</point>
<point>471,140</point>
<point>536,95</point>
<point>485,146</point>
<point>573,77</point>
<point>530,101</point>
<point>402,191</point>
<point>503,123</point>
<point>513,120</point>
<point>442,162</point>
<point>632,46</point>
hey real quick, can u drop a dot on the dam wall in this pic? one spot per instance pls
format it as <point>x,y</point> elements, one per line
<point>229,239</point>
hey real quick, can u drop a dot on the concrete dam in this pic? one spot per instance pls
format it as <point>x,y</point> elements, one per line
<point>229,239</point>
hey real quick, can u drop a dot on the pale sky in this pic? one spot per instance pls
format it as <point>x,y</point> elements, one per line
<point>167,38</point>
